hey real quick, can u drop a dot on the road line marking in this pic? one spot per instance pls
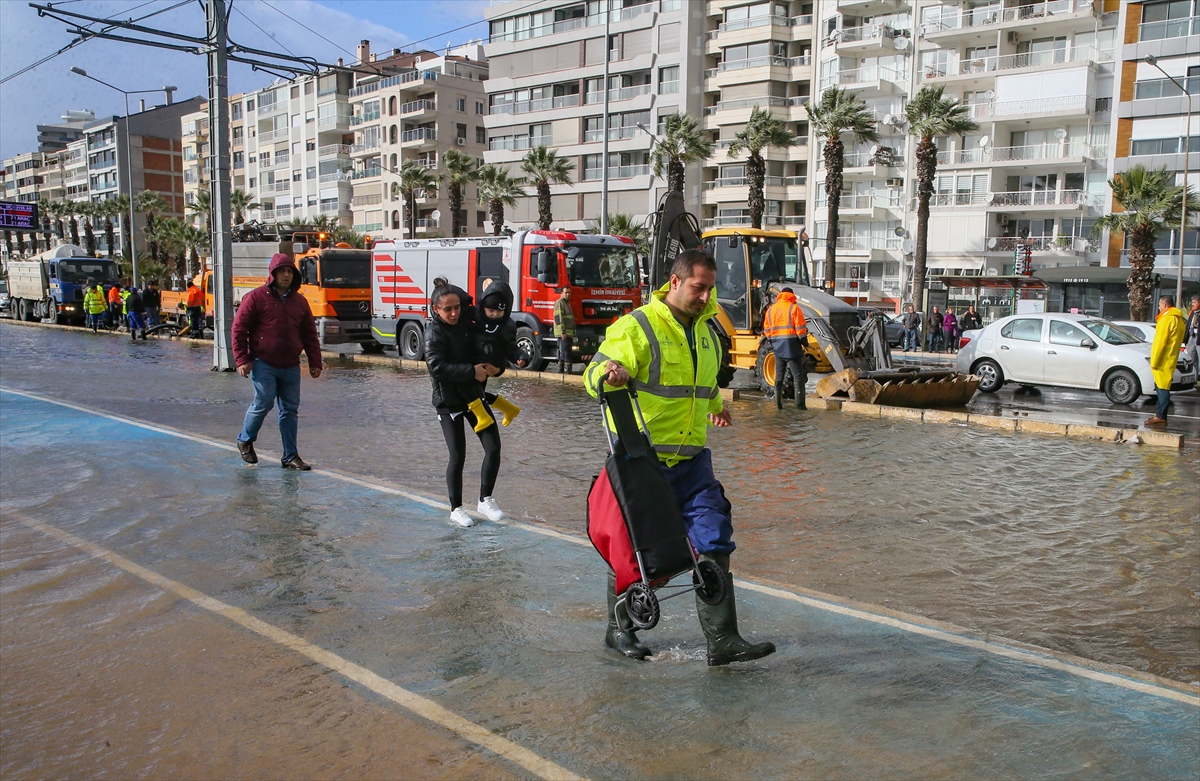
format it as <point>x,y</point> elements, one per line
<point>1139,414</point>
<point>1068,663</point>
<point>414,703</point>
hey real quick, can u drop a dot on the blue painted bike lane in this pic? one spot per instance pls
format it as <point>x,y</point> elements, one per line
<point>502,625</point>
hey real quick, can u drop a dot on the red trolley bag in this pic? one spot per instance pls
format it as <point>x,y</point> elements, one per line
<point>635,523</point>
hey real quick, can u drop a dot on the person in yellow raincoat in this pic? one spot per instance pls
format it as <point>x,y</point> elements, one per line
<point>1164,354</point>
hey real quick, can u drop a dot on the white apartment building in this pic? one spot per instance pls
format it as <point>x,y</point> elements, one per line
<point>33,176</point>
<point>547,62</point>
<point>1039,80</point>
<point>757,54</point>
<point>419,107</point>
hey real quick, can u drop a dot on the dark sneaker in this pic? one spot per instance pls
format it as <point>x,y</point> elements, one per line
<point>295,462</point>
<point>247,451</point>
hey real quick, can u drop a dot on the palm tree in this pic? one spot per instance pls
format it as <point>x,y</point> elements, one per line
<point>89,211</point>
<point>1151,203</point>
<point>106,209</point>
<point>460,171</point>
<point>763,131</point>
<point>930,114</point>
<point>625,225</point>
<point>150,203</point>
<point>241,202</point>
<point>344,235</point>
<point>72,211</point>
<point>498,189</point>
<point>545,168</point>
<point>45,209</point>
<point>681,143</point>
<point>414,177</point>
<point>202,205</point>
<point>837,113</point>
<point>120,206</point>
<point>58,210</point>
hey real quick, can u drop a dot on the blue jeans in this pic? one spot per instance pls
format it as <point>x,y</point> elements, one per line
<point>935,341</point>
<point>703,504</point>
<point>152,316</point>
<point>1164,399</point>
<point>273,385</point>
<point>96,320</point>
<point>912,339</point>
<point>135,323</point>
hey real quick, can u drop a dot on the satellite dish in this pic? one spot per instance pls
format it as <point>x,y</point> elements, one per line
<point>436,214</point>
<point>991,243</point>
<point>989,94</point>
<point>984,141</point>
<point>993,272</point>
<point>900,42</point>
<point>899,231</point>
<point>1060,133</point>
<point>875,149</point>
<point>871,191</point>
<point>888,119</point>
<point>895,292</point>
<point>908,246</point>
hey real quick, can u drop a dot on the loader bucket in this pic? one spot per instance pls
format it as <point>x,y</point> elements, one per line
<point>901,389</point>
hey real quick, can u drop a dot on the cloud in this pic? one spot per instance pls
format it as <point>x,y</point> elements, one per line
<point>42,95</point>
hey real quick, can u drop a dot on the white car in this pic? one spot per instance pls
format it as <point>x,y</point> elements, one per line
<point>1143,331</point>
<point>1065,350</point>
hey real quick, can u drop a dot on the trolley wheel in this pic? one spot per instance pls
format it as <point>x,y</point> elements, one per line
<point>642,606</point>
<point>712,583</point>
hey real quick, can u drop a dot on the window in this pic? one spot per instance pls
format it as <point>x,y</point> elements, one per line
<point>479,218</point>
<point>236,111</point>
<point>310,172</point>
<point>310,145</point>
<point>310,116</point>
<point>460,131</point>
<point>1025,329</point>
<point>1065,333</point>
<point>479,107</point>
<point>295,120</point>
<point>480,135</point>
<point>668,80</point>
<point>295,93</point>
<point>460,104</point>
<point>250,104</point>
<point>252,183</point>
<point>308,87</point>
<point>296,175</point>
<point>239,159</point>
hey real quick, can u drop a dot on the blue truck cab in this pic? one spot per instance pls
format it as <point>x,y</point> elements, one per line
<point>50,286</point>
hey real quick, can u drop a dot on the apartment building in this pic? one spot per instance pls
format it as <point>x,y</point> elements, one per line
<point>1038,78</point>
<point>33,176</point>
<point>1151,117</point>
<point>547,62</point>
<point>757,54</point>
<point>420,106</point>
<point>54,138</point>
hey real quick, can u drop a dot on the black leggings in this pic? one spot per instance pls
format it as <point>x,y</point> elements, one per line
<point>453,429</point>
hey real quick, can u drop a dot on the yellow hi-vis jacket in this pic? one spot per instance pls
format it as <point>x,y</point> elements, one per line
<point>94,301</point>
<point>1164,352</point>
<point>676,395</point>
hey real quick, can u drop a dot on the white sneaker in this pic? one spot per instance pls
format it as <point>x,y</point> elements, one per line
<point>459,516</point>
<point>488,507</point>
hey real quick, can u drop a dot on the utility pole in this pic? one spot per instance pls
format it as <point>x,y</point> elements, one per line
<point>222,236</point>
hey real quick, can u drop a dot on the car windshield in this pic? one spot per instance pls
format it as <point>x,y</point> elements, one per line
<point>346,268</point>
<point>1109,332</point>
<point>3,286</point>
<point>603,266</point>
<point>80,271</point>
<point>773,259</point>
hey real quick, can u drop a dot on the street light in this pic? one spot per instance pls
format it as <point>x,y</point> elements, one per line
<point>128,158</point>
<point>1187,152</point>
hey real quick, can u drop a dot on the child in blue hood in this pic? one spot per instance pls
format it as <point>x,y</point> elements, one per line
<point>496,341</point>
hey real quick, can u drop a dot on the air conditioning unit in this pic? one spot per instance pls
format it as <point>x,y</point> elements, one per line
<point>463,231</point>
<point>460,141</point>
<point>895,182</point>
<point>1013,37</point>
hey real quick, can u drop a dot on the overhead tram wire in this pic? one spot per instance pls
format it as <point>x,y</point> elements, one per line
<point>245,16</point>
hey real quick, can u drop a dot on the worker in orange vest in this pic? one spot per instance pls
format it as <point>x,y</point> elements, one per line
<point>195,309</point>
<point>785,327</point>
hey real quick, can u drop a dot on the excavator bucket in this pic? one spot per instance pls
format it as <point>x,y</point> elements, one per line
<point>900,388</point>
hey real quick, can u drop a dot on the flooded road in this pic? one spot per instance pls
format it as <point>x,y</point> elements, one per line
<point>1078,547</point>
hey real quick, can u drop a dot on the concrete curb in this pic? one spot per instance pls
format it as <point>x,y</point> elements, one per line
<point>994,422</point>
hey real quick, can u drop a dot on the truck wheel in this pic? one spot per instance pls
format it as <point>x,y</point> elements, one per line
<point>1122,387</point>
<point>411,341</point>
<point>726,370</point>
<point>527,344</point>
<point>23,310</point>
<point>371,347</point>
<point>51,312</point>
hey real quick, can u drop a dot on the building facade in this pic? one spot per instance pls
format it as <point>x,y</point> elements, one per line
<point>420,106</point>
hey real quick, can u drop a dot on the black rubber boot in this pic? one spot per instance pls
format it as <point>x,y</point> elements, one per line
<point>620,635</point>
<point>719,623</point>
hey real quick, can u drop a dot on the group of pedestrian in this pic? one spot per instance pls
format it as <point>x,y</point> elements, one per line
<point>942,329</point>
<point>137,308</point>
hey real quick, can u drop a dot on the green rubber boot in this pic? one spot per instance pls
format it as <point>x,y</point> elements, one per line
<point>719,623</point>
<point>620,635</point>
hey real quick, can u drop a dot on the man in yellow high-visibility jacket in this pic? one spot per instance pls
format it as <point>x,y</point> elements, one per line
<point>668,352</point>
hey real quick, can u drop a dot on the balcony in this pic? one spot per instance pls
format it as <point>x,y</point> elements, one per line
<point>875,163</point>
<point>744,103</point>
<point>1051,153</point>
<point>860,40</point>
<point>616,172</point>
<point>270,109</point>
<point>238,142</point>
<point>336,176</point>
<point>541,104</point>
<point>276,162</point>
<point>1169,28</point>
<point>359,149</point>
<point>1053,199</point>
<point>614,134</point>
<point>333,150</point>
<point>419,136</point>
<point>740,220</point>
<point>428,162</point>
<point>873,77</point>
<point>366,173</point>
<point>1006,62</point>
<point>619,93</point>
<point>875,206</point>
<point>328,208</point>
<point>359,119</point>
<point>742,181</point>
<point>747,24</point>
<point>1043,13</point>
<point>366,200</point>
<point>566,25</point>
<point>417,106</point>
<point>1059,245</point>
<point>427,223</point>
<point>277,187</point>
<point>271,135</point>
<point>334,122</point>
<point>370,227</point>
<point>1067,105</point>
<point>758,62</point>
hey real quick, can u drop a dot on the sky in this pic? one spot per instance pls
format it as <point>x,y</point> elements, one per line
<point>44,94</point>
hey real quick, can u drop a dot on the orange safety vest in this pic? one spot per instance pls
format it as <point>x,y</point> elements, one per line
<point>784,319</point>
<point>195,296</point>
<point>114,295</point>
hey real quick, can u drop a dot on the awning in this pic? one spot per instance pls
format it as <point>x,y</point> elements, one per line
<point>1006,283</point>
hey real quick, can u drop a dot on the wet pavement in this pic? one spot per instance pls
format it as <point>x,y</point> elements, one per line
<point>1078,547</point>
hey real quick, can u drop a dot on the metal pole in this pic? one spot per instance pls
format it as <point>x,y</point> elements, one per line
<point>222,236</point>
<point>604,152</point>
<point>129,174</point>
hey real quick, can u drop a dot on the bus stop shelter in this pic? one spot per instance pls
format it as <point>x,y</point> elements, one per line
<point>993,297</point>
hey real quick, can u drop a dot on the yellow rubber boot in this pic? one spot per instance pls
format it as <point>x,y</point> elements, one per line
<point>483,418</point>
<point>508,410</point>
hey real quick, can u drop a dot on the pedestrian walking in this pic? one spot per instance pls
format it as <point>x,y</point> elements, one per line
<point>496,342</point>
<point>668,351</point>
<point>912,329</point>
<point>135,313</point>
<point>785,326</point>
<point>1164,354</point>
<point>970,321</point>
<point>1192,334</point>
<point>272,325</point>
<point>114,305</point>
<point>934,331</point>
<point>457,378</point>
<point>950,330</point>
<point>152,298</point>
<point>564,330</point>
<point>95,304</point>
<point>195,308</point>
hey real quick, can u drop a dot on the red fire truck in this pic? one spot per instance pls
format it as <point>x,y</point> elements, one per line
<point>602,272</point>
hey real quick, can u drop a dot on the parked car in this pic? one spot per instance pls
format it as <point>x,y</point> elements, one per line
<point>4,298</point>
<point>1064,350</point>
<point>891,325</point>
<point>1143,331</point>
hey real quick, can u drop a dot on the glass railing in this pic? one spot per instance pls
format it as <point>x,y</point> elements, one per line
<point>1169,28</point>
<point>616,172</point>
<point>1165,88</point>
<point>414,106</point>
<point>332,150</point>
<point>979,17</point>
<point>1039,59</point>
<point>866,32</point>
<point>867,75</point>
<point>1034,107</point>
<point>333,120</point>
<point>566,25</point>
<point>359,119</point>
<point>420,134</point>
<point>366,173</point>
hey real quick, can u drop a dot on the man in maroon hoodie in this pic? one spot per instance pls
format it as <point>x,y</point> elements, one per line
<point>272,325</point>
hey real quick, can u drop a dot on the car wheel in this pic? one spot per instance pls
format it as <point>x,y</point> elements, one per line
<point>990,374</point>
<point>1122,387</point>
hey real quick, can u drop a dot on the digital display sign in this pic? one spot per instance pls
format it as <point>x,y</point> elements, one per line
<point>19,216</point>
